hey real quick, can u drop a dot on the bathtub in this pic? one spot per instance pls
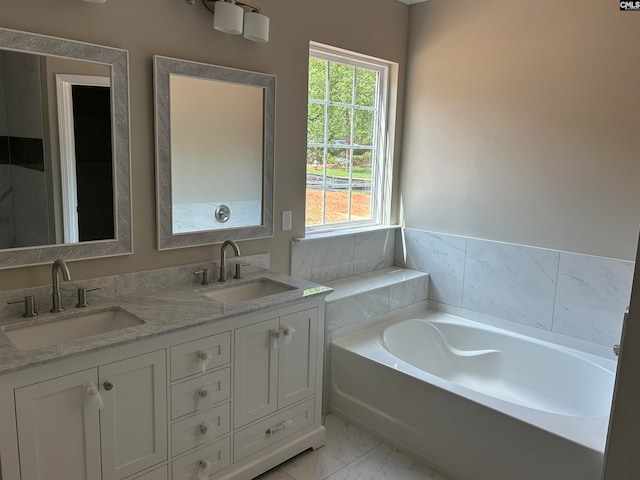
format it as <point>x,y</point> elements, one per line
<point>475,401</point>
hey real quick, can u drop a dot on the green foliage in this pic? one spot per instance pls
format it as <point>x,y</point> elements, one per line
<point>317,78</point>
<point>342,81</point>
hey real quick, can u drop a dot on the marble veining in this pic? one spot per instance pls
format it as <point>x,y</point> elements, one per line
<point>409,292</point>
<point>574,294</point>
<point>196,217</point>
<point>323,259</point>
<point>31,219</point>
<point>358,298</point>
<point>511,282</point>
<point>373,250</point>
<point>357,308</point>
<point>163,309</point>
<point>346,287</point>
<point>591,297</point>
<point>327,258</point>
<point>441,256</point>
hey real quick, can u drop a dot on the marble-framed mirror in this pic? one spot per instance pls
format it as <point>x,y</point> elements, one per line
<point>214,153</point>
<point>65,187</point>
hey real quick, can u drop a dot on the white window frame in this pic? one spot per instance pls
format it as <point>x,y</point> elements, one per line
<point>382,168</point>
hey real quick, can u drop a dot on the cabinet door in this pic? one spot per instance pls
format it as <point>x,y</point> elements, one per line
<point>297,358</point>
<point>256,372</point>
<point>58,429</point>
<point>134,418</point>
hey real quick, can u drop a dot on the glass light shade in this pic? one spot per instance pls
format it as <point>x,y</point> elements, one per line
<point>95,1</point>
<point>228,17</point>
<point>256,27</point>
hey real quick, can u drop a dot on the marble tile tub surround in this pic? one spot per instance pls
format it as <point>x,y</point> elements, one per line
<point>361,297</point>
<point>127,284</point>
<point>569,293</point>
<point>327,257</point>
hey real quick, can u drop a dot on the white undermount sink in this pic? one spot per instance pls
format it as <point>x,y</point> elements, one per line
<point>70,327</point>
<point>243,292</point>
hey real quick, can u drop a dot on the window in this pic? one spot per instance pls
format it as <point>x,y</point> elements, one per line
<point>348,173</point>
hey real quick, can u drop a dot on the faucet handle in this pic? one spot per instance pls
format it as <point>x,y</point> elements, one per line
<point>29,306</point>
<point>205,275</point>
<point>82,296</point>
<point>238,275</point>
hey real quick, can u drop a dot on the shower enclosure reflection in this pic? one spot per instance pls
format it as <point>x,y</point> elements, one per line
<point>56,160</point>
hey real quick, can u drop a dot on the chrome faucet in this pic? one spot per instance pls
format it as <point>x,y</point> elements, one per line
<point>223,260</point>
<point>58,266</point>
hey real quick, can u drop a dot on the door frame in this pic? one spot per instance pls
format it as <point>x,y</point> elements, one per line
<point>621,460</point>
<point>64,89</point>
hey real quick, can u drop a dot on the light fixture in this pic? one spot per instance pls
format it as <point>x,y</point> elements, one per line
<point>228,17</point>
<point>238,16</point>
<point>256,27</point>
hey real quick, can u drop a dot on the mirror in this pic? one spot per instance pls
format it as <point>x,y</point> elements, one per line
<point>214,153</point>
<point>64,150</point>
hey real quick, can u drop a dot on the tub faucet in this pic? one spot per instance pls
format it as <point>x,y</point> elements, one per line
<point>223,260</point>
<point>58,266</point>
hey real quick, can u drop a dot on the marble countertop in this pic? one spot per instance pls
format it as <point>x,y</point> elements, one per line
<point>162,311</point>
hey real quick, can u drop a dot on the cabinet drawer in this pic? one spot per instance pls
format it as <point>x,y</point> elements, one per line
<point>202,429</point>
<point>216,457</point>
<point>200,355</point>
<point>267,432</point>
<point>200,393</point>
<point>161,473</point>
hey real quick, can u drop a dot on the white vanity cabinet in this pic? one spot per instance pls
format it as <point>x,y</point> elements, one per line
<point>107,422</point>
<point>222,400</point>
<point>275,364</point>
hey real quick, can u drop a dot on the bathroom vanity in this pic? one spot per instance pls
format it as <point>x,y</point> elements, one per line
<point>199,389</point>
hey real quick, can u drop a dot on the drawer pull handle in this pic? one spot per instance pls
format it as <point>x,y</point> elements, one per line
<point>203,470</point>
<point>275,339</point>
<point>287,334</point>
<point>94,396</point>
<point>107,385</point>
<point>202,393</point>
<point>278,428</point>
<point>204,357</point>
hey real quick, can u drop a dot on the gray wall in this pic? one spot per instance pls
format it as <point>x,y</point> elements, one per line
<point>521,123</point>
<point>173,28</point>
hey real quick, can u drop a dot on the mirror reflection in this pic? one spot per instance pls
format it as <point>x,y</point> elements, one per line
<point>56,160</point>
<point>65,187</point>
<point>214,153</point>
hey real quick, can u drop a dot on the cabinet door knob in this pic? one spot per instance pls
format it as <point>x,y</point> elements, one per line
<point>204,428</point>
<point>203,393</point>
<point>107,385</point>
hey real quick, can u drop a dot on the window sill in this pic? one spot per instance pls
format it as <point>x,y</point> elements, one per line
<point>349,231</point>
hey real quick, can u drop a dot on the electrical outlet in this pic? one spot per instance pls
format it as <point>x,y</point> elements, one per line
<point>286,220</point>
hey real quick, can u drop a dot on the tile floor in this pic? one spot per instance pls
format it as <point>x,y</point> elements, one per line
<point>351,454</point>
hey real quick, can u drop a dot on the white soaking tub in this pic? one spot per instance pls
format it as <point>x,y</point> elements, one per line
<point>478,402</point>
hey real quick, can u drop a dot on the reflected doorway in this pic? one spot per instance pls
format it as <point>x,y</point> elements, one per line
<point>84,114</point>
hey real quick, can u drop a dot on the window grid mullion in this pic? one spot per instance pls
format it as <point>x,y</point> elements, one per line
<point>340,104</point>
<point>352,142</point>
<point>326,138</point>
<point>377,183</point>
